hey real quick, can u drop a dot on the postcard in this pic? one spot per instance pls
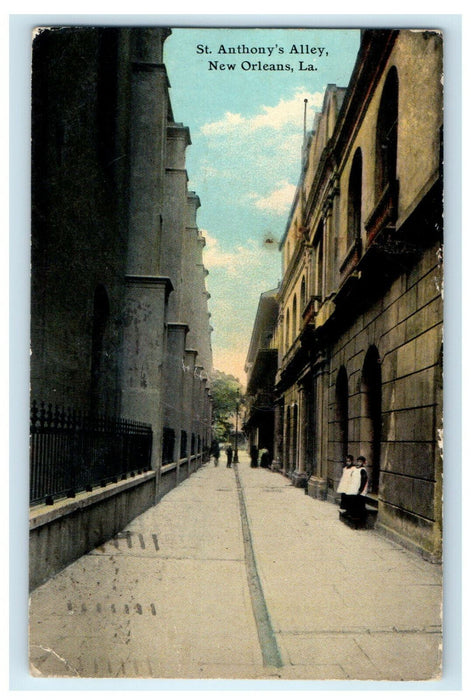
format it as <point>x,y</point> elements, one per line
<point>236,432</point>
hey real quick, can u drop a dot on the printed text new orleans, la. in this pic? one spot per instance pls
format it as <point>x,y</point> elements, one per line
<point>248,64</point>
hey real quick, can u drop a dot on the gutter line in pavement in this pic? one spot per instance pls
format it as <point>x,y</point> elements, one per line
<point>268,645</point>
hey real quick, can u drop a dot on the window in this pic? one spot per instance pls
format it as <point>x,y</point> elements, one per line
<point>354,200</point>
<point>183,444</point>
<point>319,258</point>
<point>168,445</point>
<point>386,134</point>
<point>287,338</point>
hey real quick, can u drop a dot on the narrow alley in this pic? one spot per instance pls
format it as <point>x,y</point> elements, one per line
<point>236,574</point>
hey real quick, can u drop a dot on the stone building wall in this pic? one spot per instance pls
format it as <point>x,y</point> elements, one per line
<point>360,357</point>
<point>79,242</point>
<point>406,328</point>
<point>109,233</point>
<point>392,350</point>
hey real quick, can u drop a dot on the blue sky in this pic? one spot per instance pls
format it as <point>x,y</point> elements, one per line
<point>246,128</point>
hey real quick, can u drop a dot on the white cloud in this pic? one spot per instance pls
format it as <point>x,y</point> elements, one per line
<point>229,122</point>
<point>213,255</point>
<point>287,113</point>
<point>278,201</point>
<point>239,262</point>
<point>209,171</point>
<point>254,151</point>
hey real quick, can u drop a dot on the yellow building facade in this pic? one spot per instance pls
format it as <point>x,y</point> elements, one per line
<point>360,304</point>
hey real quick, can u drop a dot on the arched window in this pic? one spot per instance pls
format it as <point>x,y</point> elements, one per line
<point>287,336</point>
<point>354,199</point>
<point>295,319</point>
<point>303,294</point>
<point>319,253</point>
<point>371,415</point>
<point>386,134</point>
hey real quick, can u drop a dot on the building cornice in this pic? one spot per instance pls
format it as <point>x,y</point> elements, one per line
<point>150,281</point>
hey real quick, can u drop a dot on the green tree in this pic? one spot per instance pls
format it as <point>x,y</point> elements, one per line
<point>226,391</point>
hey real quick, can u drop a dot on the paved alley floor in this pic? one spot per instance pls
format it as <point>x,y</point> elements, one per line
<point>236,574</point>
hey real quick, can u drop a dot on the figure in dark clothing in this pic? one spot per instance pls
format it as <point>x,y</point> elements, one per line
<point>264,458</point>
<point>229,455</point>
<point>215,452</point>
<point>254,456</point>
<point>356,503</point>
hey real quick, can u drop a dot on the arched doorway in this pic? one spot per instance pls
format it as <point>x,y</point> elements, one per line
<point>371,416</point>
<point>287,445</point>
<point>294,439</point>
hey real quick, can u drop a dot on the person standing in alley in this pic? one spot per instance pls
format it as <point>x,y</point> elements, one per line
<point>229,455</point>
<point>254,456</point>
<point>359,489</point>
<point>344,484</point>
<point>264,457</point>
<point>215,451</point>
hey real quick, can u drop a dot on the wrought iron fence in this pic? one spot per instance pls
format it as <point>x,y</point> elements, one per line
<point>71,451</point>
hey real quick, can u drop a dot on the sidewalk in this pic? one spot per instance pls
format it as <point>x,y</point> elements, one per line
<point>237,574</point>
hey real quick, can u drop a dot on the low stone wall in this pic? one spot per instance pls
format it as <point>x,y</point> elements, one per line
<point>63,532</point>
<point>173,474</point>
<point>168,479</point>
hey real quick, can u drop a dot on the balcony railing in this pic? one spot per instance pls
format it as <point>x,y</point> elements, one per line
<point>72,452</point>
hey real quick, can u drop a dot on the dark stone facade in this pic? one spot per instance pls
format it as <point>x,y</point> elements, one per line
<point>108,175</point>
